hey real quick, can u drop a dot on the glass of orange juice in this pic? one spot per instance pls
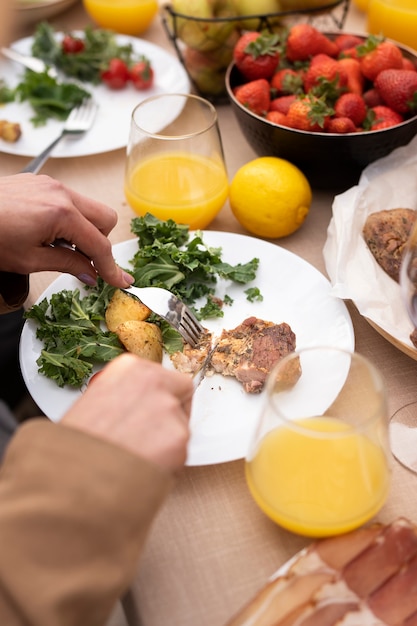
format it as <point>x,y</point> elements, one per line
<point>130,17</point>
<point>175,167</point>
<point>396,19</point>
<point>319,461</point>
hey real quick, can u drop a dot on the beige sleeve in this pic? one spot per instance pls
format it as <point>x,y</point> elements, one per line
<point>74,515</point>
<point>14,289</point>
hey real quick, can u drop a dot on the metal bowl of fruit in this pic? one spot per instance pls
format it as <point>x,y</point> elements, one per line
<point>333,117</point>
<point>204,32</point>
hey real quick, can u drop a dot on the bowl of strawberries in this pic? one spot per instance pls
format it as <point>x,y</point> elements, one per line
<point>331,103</point>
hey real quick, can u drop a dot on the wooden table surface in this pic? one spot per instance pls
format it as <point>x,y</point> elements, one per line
<point>211,548</point>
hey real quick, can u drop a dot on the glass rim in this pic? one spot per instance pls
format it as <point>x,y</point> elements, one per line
<point>186,97</point>
<point>302,430</point>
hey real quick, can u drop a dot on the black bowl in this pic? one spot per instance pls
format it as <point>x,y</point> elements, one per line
<point>329,160</point>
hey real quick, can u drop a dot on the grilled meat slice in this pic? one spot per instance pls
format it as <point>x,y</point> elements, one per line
<point>386,233</point>
<point>249,351</point>
<point>191,360</point>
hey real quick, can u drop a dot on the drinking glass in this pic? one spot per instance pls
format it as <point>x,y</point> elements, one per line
<point>175,166</point>
<point>318,463</point>
<point>403,424</point>
<point>130,17</point>
<point>396,19</point>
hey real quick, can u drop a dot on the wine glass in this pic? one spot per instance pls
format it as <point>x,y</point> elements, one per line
<point>175,167</point>
<point>403,424</point>
<point>318,463</point>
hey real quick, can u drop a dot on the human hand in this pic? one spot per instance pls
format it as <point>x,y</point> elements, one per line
<point>139,406</point>
<point>37,210</point>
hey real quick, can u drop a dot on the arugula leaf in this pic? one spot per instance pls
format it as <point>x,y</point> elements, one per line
<point>69,327</point>
<point>48,97</point>
<point>100,46</point>
<point>169,257</point>
<point>253,294</point>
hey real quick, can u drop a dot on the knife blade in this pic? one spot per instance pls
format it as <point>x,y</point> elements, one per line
<point>200,375</point>
<point>32,63</point>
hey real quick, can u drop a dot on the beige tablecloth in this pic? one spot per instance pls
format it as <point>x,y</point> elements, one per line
<point>211,548</point>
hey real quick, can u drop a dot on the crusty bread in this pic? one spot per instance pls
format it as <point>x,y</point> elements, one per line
<point>386,233</point>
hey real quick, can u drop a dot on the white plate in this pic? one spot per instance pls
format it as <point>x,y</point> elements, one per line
<point>223,415</point>
<point>111,127</point>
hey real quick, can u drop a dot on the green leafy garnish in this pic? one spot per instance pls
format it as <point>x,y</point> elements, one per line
<point>100,46</point>
<point>48,97</point>
<point>168,257</point>
<point>69,327</point>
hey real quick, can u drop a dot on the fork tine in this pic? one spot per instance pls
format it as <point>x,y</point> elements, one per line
<point>192,340</point>
<point>191,325</point>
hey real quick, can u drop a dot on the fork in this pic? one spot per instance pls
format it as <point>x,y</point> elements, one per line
<point>78,122</point>
<point>172,309</point>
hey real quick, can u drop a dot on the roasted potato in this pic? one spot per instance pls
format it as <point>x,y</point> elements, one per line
<point>141,338</point>
<point>124,308</point>
<point>10,131</point>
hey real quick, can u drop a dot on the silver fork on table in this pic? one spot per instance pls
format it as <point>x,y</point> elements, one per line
<point>78,122</point>
<point>172,309</point>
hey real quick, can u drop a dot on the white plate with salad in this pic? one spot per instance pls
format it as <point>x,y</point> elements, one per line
<point>223,415</point>
<point>111,127</point>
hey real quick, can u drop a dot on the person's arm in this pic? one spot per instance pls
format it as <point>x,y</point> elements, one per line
<point>74,515</point>
<point>36,211</point>
<point>77,498</point>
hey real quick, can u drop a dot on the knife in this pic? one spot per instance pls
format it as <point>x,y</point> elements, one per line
<point>200,375</point>
<point>32,63</point>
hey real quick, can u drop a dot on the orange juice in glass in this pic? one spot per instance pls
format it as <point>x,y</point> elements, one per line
<point>395,19</point>
<point>130,17</point>
<point>175,167</point>
<point>361,4</point>
<point>319,464</point>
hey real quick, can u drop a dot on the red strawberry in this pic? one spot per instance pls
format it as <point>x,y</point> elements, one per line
<point>276,117</point>
<point>282,104</point>
<point>346,41</point>
<point>287,81</point>
<point>324,68</point>
<point>398,89</point>
<point>351,105</point>
<point>340,125</point>
<point>377,56</point>
<point>308,113</point>
<point>409,65</point>
<point>350,53</point>
<point>254,96</point>
<point>383,117</point>
<point>256,55</point>
<point>304,41</point>
<point>355,78</point>
<point>372,98</point>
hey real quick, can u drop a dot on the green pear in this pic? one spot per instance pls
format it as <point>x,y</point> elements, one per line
<point>201,35</point>
<point>256,7</point>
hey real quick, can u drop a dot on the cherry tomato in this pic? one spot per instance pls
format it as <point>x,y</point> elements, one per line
<point>141,74</point>
<point>72,45</point>
<point>116,75</point>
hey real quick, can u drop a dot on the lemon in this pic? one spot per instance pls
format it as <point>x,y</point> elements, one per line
<point>270,197</point>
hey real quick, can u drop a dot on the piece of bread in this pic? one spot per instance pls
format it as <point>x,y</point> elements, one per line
<point>386,233</point>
